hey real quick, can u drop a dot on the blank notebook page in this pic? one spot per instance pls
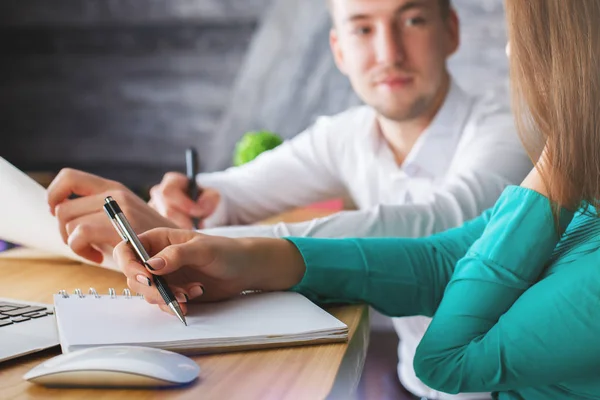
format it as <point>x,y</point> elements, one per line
<point>256,320</point>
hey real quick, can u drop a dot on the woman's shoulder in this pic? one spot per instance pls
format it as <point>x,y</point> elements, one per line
<point>576,267</point>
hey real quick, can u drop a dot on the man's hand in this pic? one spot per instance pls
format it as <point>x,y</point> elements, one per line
<point>82,222</point>
<point>171,200</point>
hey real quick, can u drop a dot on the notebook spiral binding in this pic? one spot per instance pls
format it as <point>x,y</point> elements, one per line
<point>92,292</point>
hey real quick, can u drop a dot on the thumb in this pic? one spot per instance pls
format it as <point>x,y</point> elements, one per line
<point>192,252</point>
<point>207,203</point>
<point>156,239</point>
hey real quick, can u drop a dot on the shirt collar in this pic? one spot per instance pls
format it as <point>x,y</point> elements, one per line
<point>433,151</point>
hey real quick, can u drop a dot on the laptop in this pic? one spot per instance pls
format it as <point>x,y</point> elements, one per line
<point>25,328</point>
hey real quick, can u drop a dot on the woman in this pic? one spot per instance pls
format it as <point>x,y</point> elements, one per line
<point>515,292</point>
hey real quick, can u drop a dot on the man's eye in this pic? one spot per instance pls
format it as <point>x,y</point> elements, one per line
<point>362,30</point>
<point>415,21</point>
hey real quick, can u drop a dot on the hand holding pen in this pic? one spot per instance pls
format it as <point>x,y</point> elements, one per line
<point>125,230</point>
<point>179,198</point>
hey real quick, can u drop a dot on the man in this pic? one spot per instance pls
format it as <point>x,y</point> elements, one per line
<point>422,156</point>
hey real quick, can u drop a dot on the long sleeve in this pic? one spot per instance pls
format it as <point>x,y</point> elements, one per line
<point>461,200</point>
<point>300,171</point>
<point>396,276</point>
<point>492,325</point>
<point>471,185</point>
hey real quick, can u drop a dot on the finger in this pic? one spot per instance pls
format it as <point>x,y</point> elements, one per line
<point>140,288</point>
<point>173,197</point>
<point>194,290</point>
<point>79,208</point>
<point>208,203</point>
<point>193,252</point>
<point>180,294</point>
<point>128,261</point>
<point>180,219</point>
<point>80,244</point>
<point>103,230</point>
<point>175,179</point>
<point>153,296</point>
<point>70,181</point>
<point>171,209</point>
<point>155,240</point>
<point>158,241</point>
<point>92,231</point>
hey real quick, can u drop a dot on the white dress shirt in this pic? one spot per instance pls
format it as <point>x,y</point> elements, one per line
<point>457,168</point>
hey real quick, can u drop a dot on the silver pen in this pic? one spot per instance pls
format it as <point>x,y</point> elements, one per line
<point>127,233</point>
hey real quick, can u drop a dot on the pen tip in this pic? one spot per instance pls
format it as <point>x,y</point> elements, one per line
<point>174,305</point>
<point>182,319</point>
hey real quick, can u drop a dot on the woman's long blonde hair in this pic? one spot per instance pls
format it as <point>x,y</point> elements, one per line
<point>555,75</point>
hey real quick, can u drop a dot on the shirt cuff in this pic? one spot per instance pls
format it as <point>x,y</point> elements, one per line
<point>220,216</point>
<point>326,277</point>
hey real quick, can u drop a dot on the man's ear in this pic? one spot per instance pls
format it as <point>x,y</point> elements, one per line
<point>453,27</point>
<point>336,50</point>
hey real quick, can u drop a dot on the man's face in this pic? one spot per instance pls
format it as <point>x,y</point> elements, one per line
<point>394,52</point>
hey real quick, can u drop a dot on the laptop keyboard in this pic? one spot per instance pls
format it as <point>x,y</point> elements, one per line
<point>14,313</point>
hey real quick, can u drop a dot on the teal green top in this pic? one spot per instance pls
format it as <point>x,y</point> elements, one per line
<point>516,311</point>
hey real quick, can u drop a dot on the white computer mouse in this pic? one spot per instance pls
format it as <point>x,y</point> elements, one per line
<point>115,366</point>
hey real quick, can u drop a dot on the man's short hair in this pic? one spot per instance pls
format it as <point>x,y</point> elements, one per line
<point>445,7</point>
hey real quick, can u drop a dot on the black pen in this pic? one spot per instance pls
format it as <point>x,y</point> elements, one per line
<point>191,169</point>
<point>117,218</point>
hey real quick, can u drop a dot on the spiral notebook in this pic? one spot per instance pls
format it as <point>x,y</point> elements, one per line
<point>249,321</point>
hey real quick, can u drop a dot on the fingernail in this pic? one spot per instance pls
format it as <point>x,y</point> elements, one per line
<point>155,264</point>
<point>196,291</point>
<point>181,297</point>
<point>144,280</point>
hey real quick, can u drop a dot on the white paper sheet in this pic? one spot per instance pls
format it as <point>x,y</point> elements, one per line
<point>25,217</point>
<point>255,320</point>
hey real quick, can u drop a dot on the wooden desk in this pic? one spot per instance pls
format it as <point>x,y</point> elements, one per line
<point>308,372</point>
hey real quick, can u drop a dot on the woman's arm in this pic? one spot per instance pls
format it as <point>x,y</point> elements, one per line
<point>399,277</point>
<point>489,329</point>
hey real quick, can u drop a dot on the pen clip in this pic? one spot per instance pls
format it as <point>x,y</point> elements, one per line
<point>124,228</point>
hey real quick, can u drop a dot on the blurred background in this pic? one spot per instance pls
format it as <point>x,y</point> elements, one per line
<point>121,87</point>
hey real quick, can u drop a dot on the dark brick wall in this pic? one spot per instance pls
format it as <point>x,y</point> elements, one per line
<point>118,88</point>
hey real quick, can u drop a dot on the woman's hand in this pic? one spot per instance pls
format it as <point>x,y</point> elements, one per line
<point>200,267</point>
